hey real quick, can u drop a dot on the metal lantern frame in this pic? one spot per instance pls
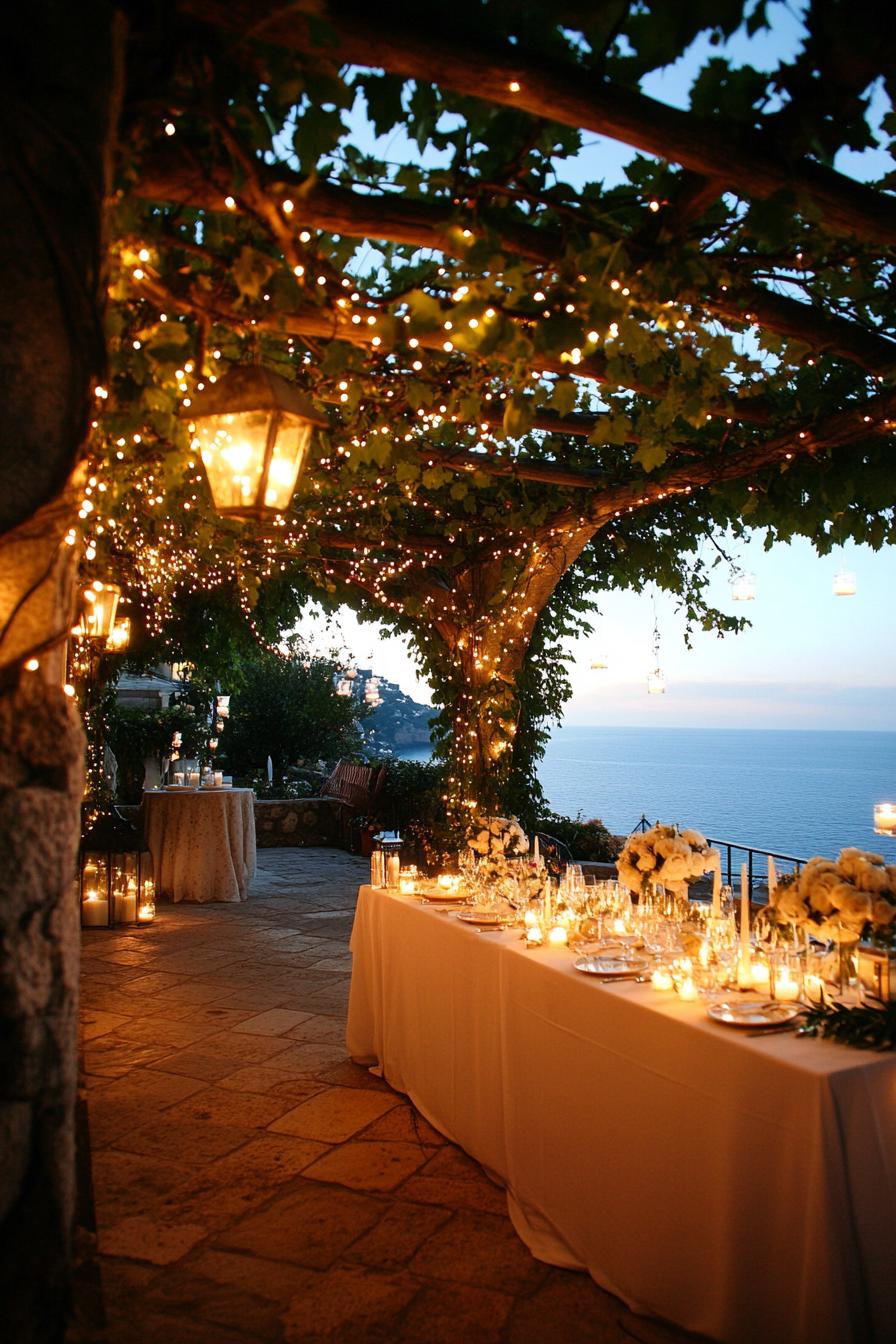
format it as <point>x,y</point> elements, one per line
<point>244,392</point>
<point>115,871</point>
<point>99,606</point>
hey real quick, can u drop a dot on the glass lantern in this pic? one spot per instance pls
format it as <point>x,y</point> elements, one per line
<point>253,431</point>
<point>600,662</point>
<point>385,860</point>
<point>116,877</point>
<point>99,605</point>
<point>743,587</point>
<point>656,682</point>
<point>885,819</point>
<point>845,584</point>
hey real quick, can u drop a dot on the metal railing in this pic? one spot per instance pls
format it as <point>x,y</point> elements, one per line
<point>728,848</point>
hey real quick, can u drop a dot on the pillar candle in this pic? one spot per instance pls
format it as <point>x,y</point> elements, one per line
<point>124,907</point>
<point>547,904</point>
<point>772,876</point>
<point>94,912</point>
<point>717,888</point>
<point>536,853</point>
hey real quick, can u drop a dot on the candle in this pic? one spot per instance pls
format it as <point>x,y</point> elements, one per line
<point>547,903</point>
<point>407,883</point>
<point>772,876</point>
<point>179,778</point>
<point>94,912</point>
<point>193,779</point>
<point>219,779</point>
<point>786,986</point>
<point>759,974</point>
<point>717,888</point>
<point>558,936</point>
<point>448,882</point>
<point>619,926</point>
<point>534,935</point>
<point>124,907</point>
<point>662,979</point>
<point>687,990</point>
<point>536,853</point>
<point>146,913</point>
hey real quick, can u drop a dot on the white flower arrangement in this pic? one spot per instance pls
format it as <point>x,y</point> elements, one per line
<point>841,900</point>
<point>499,837</point>
<point>666,855</point>
<point>500,843</point>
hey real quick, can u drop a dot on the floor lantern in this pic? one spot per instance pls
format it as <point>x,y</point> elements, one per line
<point>116,875</point>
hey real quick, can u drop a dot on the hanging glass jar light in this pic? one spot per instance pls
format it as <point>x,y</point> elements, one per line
<point>600,661</point>
<point>845,583</point>
<point>252,430</point>
<point>99,604</point>
<point>743,586</point>
<point>656,682</point>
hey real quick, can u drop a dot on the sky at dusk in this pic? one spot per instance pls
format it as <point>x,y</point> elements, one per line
<point>809,660</point>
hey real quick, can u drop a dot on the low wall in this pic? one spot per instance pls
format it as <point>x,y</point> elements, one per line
<point>297,821</point>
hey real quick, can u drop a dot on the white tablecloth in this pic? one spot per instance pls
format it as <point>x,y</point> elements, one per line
<point>742,1187</point>
<point>202,844</point>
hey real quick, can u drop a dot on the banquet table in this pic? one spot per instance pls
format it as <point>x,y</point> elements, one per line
<point>202,843</point>
<point>743,1187</point>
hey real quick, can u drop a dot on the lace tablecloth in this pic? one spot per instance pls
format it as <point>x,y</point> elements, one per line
<point>202,844</point>
<point>742,1187</point>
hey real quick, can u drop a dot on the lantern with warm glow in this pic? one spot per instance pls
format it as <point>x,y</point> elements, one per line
<point>844,584</point>
<point>99,603</point>
<point>885,819</point>
<point>252,430</point>
<point>116,883</point>
<point>743,587</point>
<point>120,636</point>
<point>656,683</point>
<point>600,661</point>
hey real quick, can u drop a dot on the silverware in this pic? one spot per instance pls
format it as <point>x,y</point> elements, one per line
<point>615,979</point>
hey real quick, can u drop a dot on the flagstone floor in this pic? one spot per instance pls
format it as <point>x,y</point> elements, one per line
<point>252,1184</point>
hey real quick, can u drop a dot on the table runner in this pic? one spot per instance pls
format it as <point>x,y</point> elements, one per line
<point>742,1187</point>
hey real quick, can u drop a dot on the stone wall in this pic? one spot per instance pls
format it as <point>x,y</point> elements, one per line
<point>298,821</point>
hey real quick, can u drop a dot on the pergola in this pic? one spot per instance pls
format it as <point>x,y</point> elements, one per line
<point>535,386</point>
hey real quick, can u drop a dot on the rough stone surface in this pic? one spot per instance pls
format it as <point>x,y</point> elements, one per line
<point>270,1191</point>
<point>300,821</point>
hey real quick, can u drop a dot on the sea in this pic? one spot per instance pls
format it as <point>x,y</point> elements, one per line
<point>793,792</point>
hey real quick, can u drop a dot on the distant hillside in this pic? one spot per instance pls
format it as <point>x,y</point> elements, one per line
<point>398,721</point>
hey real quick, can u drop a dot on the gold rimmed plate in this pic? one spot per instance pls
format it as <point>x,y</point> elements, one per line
<point>610,966</point>
<point>753,1014</point>
<point>483,918</point>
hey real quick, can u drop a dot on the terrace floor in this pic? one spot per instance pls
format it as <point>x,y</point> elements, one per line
<point>252,1184</point>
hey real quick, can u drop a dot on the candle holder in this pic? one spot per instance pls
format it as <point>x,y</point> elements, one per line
<point>115,874</point>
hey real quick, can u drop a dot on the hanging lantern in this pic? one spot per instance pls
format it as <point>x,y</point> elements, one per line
<point>599,662</point>
<point>743,586</point>
<point>99,603</point>
<point>343,686</point>
<point>116,882</point>
<point>253,431</point>
<point>885,819</point>
<point>120,636</point>
<point>845,584</point>
<point>656,682</point>
<point>223,706</point>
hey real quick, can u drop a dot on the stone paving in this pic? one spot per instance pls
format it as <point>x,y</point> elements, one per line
<point>252,1184</point>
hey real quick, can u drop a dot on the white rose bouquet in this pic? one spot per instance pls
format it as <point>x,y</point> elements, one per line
<point>852,897</point>
<point>666,855</point>
<point>500,842</point>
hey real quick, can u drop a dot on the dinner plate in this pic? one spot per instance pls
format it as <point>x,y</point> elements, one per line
<point>179,788</point>
<point>484,917</point>
<point>763,1014</point>
<point>611,965</point>
<point>438,894</point>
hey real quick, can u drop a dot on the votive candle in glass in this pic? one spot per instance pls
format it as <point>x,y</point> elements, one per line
<point>662,979</point>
